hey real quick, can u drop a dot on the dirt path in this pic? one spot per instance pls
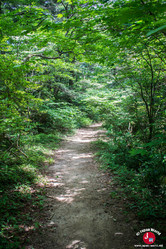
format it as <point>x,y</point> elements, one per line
<point>82,214</point>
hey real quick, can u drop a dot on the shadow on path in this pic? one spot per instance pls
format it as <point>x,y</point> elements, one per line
<point>78,196</point>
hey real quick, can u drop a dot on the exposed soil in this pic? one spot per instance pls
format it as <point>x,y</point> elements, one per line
<point>80,211</point>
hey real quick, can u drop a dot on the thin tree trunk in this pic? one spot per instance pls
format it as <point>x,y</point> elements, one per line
<point>0,7</point>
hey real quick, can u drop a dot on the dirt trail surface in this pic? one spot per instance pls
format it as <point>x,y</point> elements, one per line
<point>82,214</point>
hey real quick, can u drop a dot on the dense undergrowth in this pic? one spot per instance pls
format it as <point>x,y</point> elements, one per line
<point>138,165</point>
<point>22,186</point>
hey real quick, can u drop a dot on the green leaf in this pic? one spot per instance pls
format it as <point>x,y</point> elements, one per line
<point>135,152</point>
<point>156,30</point>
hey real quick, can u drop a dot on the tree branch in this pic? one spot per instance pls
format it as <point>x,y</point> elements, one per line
<point>41,56</point>
<point>47,57</point>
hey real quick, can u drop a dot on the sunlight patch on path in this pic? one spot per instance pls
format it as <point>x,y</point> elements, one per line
<point>78,197</point>
<point>68,197</point>
<point>76,244</point>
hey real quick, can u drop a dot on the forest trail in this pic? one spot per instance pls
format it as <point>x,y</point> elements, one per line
<point>81,213</point>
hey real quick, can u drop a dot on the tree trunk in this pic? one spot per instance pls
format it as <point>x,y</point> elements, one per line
<point>0,7</point>
<point>151,127</point>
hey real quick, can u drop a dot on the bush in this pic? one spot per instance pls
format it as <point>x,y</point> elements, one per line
<point>141,175</point>
<point>62,119</point>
